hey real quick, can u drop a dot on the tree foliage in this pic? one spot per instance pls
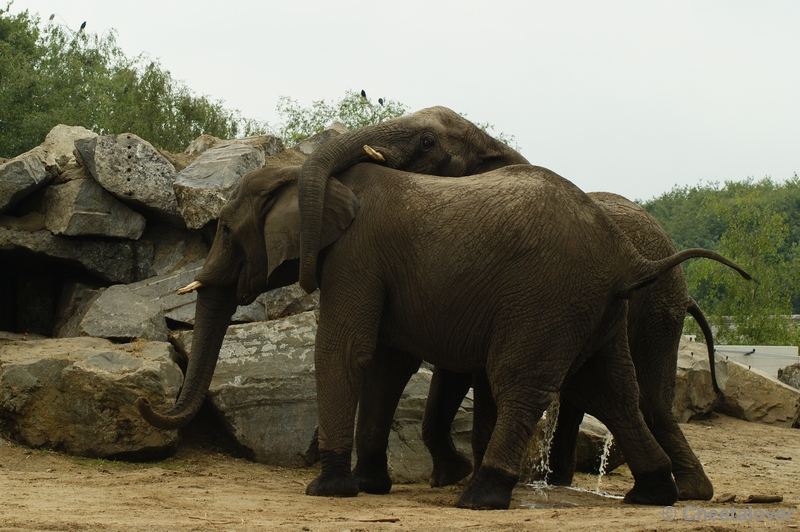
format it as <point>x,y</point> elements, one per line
<point>354,111</point>
<point>55,75</point>
<point>756,224</point>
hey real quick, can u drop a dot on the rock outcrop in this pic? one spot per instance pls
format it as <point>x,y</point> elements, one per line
<point>77,395</point>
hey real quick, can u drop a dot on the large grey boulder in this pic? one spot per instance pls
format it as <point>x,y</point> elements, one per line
<point>77,395</point>
<point>790,375</point>
<point>289,300</point>
<point>120,314</point>
<point>134,171</point>
<point>309,145</point>
<point>408,458</point>
<point>754,395</point>
<point>206,185</point>
<point>82,207</point>
<point>22,175</point>
<point>114,261</point>
<point>75,300</point>
<point>59,144</point>
<point>173,248</point>
<point>264,388</point>
<point>694,391</point>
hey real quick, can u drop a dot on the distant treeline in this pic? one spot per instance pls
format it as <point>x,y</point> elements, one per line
<point>755,223</point>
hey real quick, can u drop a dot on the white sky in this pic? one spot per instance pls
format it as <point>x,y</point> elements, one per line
<point>628,96</point>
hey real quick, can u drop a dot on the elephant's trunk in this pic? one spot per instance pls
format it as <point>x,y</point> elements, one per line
<point>214,308</point>
<point>330,158</point>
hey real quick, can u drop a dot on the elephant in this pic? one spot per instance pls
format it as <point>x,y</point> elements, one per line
<point>655,323</point>
<point>655,320</point>
<point>435,140</point>
<point>515,272</point>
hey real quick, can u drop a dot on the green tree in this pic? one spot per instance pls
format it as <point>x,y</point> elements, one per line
<point>354,111</point>
<point>750,312</point>
<point>57,75</point>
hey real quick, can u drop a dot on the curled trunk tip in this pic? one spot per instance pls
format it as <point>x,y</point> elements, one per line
<point>164,422</point>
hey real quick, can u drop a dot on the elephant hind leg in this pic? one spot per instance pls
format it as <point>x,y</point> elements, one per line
<point>605,386</point>
<point>654,346</point>
<point>444,399</point>
<point>692,481</point>
<point>563,448</point>
<point>522,384</point>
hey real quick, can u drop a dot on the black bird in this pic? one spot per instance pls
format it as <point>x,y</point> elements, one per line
<point>83,25</point>
<point>363,93</point>
<point>380,101</point>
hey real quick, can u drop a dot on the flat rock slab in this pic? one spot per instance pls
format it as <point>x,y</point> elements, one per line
<point>77,395</point>
<point>694,391</point>
<point>120,314</point>
<point>114,261</point>
<point>22,175</point>
<point>265,391</point>
<point>82,207</point>
<point>206,185</point>
<point>754,395</point>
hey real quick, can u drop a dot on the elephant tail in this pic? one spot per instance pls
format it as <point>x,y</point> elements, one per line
<point>648,271</point>
<point>700,318</point>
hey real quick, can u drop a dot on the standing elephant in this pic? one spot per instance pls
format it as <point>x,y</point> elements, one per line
<point>515,272</point>
<point>478,273</point>
<point>435,140</point>
<point>655,322</point>
<point>655,328</point>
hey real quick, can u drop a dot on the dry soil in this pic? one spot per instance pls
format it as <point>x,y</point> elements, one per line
<point>206,488</point>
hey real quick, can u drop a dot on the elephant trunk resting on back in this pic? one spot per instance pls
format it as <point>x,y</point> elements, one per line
<point>410,277</point>
<point>655,322</point>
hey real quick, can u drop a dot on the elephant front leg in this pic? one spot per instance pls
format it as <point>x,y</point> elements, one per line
<point>340,358</point>
<point>383,384</point>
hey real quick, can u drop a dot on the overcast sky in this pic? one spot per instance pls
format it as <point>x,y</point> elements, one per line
<point>628,96</point>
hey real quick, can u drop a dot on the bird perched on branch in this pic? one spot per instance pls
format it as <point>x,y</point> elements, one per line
<point>82,26</point>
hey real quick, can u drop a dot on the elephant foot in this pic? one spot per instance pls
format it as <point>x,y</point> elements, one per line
<point>655,488</point>
<point>560,478</point>
<point>490,489</point>
<point>373,475</point>
<point>450,470</point>
<point>335,480</point>
<point>694,485</point>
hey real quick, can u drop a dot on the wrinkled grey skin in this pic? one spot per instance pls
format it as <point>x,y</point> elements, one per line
<point>655,323</point>
<point>434,141</point>
<point>411,276</point>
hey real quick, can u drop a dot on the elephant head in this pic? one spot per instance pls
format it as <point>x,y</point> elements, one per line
<point>433,141</point>
<point>255,249</point>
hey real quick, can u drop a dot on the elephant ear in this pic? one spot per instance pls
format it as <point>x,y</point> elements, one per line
<point>282,223</point>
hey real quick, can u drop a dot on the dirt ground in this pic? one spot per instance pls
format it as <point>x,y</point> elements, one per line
<point>206,488</point>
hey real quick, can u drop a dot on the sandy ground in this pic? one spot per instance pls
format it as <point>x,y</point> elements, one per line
<point>206,488</point>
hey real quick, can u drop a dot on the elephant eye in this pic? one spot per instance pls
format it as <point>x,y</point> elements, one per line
<point>427,142</point>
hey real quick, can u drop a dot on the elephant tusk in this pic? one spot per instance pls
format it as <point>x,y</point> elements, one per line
<point>191,287</point>
<point>374,154</point>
